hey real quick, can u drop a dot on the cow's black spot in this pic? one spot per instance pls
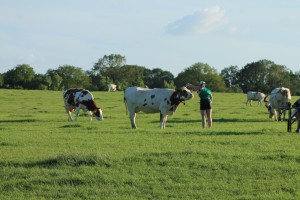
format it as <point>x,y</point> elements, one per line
<point>168,102</point>
<point>152,96</point>
<point>152,103</point>
<point>165,99</point>
<point>145,104</point>
<point>145,100</point>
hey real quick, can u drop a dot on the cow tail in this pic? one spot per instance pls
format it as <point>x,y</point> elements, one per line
<point>125,102</point>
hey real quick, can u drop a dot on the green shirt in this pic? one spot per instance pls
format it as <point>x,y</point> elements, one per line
<point>205,93</point>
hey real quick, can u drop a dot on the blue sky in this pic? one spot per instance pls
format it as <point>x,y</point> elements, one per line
<point>168,34</point>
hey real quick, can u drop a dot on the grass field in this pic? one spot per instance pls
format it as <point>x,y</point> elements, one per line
<point>44,156</point>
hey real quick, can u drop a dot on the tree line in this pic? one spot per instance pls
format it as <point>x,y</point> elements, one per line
<point>263,75</point>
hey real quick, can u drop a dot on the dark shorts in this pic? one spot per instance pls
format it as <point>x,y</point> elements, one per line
<point>205,104</point>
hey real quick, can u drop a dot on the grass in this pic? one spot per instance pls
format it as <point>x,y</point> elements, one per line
<point>43,156</point>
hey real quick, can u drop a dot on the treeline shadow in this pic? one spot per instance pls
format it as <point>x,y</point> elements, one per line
<point>223,120</point>
<point>18,120</point>
<point>228,133</point>
<point>71,160</point>
<point>238,120</point>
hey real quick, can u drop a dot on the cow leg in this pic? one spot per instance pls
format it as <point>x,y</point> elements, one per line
<point>163,120</point>
<point>276,114</point>
<point>70,116</point>
<point>279,114</point>
<point>69,113</point>
<point>132,119</point>
<point>90,113</point>
<point>77,112</point>
<point>284,112</point>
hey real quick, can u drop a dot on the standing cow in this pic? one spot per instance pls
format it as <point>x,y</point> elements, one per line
<point>280,98</point>
<point>163,101</point>
<point>255,96</point>
<point>76,99</point>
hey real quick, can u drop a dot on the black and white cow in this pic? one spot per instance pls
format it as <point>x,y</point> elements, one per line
<point>163,101</point>
<point>76,99</point>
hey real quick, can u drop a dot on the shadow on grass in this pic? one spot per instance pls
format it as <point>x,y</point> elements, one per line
<point>69,159</point>
<point>222,120</point>
<point>239,120</point>
<point>18,120</point>
<point>7,144</point>
<point>70,126</point>
<point>229,133</point>
<point>175,121</point>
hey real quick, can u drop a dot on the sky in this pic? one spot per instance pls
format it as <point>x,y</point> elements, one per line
<point>168,34</point>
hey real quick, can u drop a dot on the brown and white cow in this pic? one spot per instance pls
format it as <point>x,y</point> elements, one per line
<point>76,99</point>
<point>163,101</point>
<point>255,96</point>
<point>280,98</point>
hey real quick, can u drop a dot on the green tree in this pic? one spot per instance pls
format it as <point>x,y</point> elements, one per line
<point>228,74</point>
<point>40,82</point>
<point>263,76</point>
<point>132,75</point>
<point>109,66</point>
<point>158,78</point>
<point>278,76</point>
<point>253,76</point>
<point>294,80</point>
<point>73,77</point>
<point>19,77</point>
<point>54,79</point>
<point>201,72</point>
<point>1,80</point>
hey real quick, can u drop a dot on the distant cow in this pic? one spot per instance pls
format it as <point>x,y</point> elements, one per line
<point>76,99</point>
<point>280,98</point>
<point>255,96</point>
<point>111,87</point>
<point>163,101</point>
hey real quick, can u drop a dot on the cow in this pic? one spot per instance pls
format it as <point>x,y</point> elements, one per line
<point>255,96</point>
<point>280,98</point>
<point>76,99</point>
<point>163,101</point>
<point>111,87</point>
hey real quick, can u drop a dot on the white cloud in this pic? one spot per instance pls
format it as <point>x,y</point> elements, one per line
<point>203,21</point>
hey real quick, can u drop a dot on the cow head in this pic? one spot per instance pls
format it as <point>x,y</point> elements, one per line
<point>268,106</point>
<point>181,95</point>
<point>185,94</point>
<point>98,114</point>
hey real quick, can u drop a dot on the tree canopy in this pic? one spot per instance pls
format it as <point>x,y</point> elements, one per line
<point>263,75</point>
<point>201,72</point>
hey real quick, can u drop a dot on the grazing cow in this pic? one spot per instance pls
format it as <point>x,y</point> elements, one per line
<point>163,101</point>
<point>111,87</point>
<point>255,96</point>
<point>280,98</point>
<point>81,99</point>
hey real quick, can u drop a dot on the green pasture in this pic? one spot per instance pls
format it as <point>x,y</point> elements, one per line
<point>245,155</point>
